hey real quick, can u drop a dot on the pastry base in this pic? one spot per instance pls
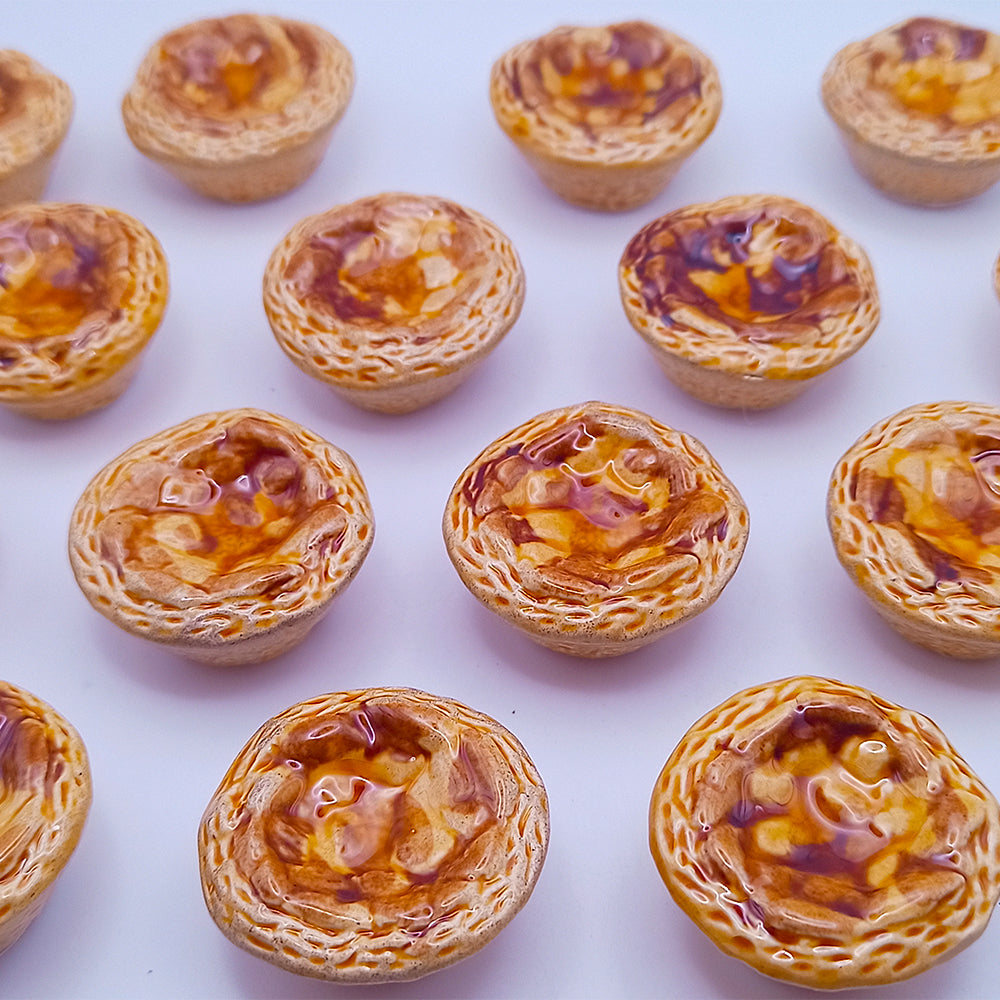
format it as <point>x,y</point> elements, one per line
<point>27,183</point>
<point>406,397</point>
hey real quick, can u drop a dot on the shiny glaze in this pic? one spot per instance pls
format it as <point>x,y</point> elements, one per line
<point>942,492</point>
<point>596,507</point>
<point>765,272</point>
<point>945,71</point>
<point>626,74</point>
<point>376,805</point>
<point>386,261</point>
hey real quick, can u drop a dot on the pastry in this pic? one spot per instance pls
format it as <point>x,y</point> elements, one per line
<point>393,300</point>
<point>374,835</point>
<point>36,108</point>
<point>240,108</point>
<point>224,538</point>
<point>606,116</point>
<point>745,299</point>
<point>826,836</point>
<point>82,289</point>
<point>914,511</point>
<point>594,528</point>
<point>44,798</point>
<point>918,107</point>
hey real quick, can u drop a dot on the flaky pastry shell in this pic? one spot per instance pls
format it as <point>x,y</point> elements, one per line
<point>918,107</point>
<point>594,528</point>
<point>826,836</point>
<point>225,537</point>
<point>606,115</point>
<point>240,108</point>
<point>914,513</point>
<point>36,108</point>
<point>745,299</point>
<point>393,300</point>
<point>82,289</point>
<point>45,794</point>
<point>374,835</point>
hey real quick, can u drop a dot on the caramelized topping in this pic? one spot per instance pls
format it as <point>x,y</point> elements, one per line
<point>622,75</point>
<point>242,514</point>
<point>392,261</point>
<point>941,490</point>
<point>590,507</point>
<point>771,273</point>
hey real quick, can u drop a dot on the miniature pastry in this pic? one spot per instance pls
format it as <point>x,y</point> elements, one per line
<point>36,108</point>
<point>594,528</point>
<point>44,799</point>
<point>373,835</point>
<point>240,108</point>
<point>826,836</point>
<point>225,538</point>
<point>918,107</point>
<point>914,512</point>
<point>745,299</point>
<point>393,300</point>
<point>606,116</point>
<point>82,289</point>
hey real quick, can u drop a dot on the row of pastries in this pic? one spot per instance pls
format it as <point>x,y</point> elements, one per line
<point>594,528</point>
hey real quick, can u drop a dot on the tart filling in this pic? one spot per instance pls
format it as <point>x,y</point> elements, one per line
<point>595,524</point>
<point>756,285</point>
<point>44,799</point>
<point>220,530</point>
<point>826,836</point>
<point>82,289</point>
<point>373,835</point>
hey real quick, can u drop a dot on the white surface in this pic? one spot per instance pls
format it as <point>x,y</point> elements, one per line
<point>127,918</point>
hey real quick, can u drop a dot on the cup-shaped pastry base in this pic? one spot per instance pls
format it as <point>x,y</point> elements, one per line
<point>27,183</point>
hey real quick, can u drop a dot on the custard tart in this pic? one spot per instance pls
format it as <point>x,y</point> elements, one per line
<point>36,108</point>
<point>82,289</point>
<point>45,795</point>
<point>393,300</point>
<point>240,108</point>
<point>918,107</point>
<point>374,835</point>
<point>606,115</point>
<point>914,512</point>
<point>594,528</point>
<point>745,299</point>
<point>225,538</point>
<point>826,836</point>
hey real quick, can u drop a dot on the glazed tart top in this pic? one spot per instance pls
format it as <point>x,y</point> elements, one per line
<point>385,821</point>
<point>826,835</point>
<point>622,92</point>
<point>597,507</point>
<point>35,111</point>
<point>757,283</point>
<point>393,281</point>
<point>925,86</point>
<point>82,289</point>
<point>915,508</point>
<point>241,513</point>
<point>239,85</point>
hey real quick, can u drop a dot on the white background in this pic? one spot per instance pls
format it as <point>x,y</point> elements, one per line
<point>127,918</point>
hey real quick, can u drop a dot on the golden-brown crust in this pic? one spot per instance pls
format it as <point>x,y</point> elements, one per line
<point>759,289</point>
<point>45,794</point>
<point>82,289</point>
<point>240,107</point>
<point>594,528</point>
<point>914,512</point>
<point>225,537</point>
<point>919,107</point>
<point>373,835</point>
<point>36,108</point>
<point>606,115</point>
<point>826,836</point>
<point>392,299</point>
